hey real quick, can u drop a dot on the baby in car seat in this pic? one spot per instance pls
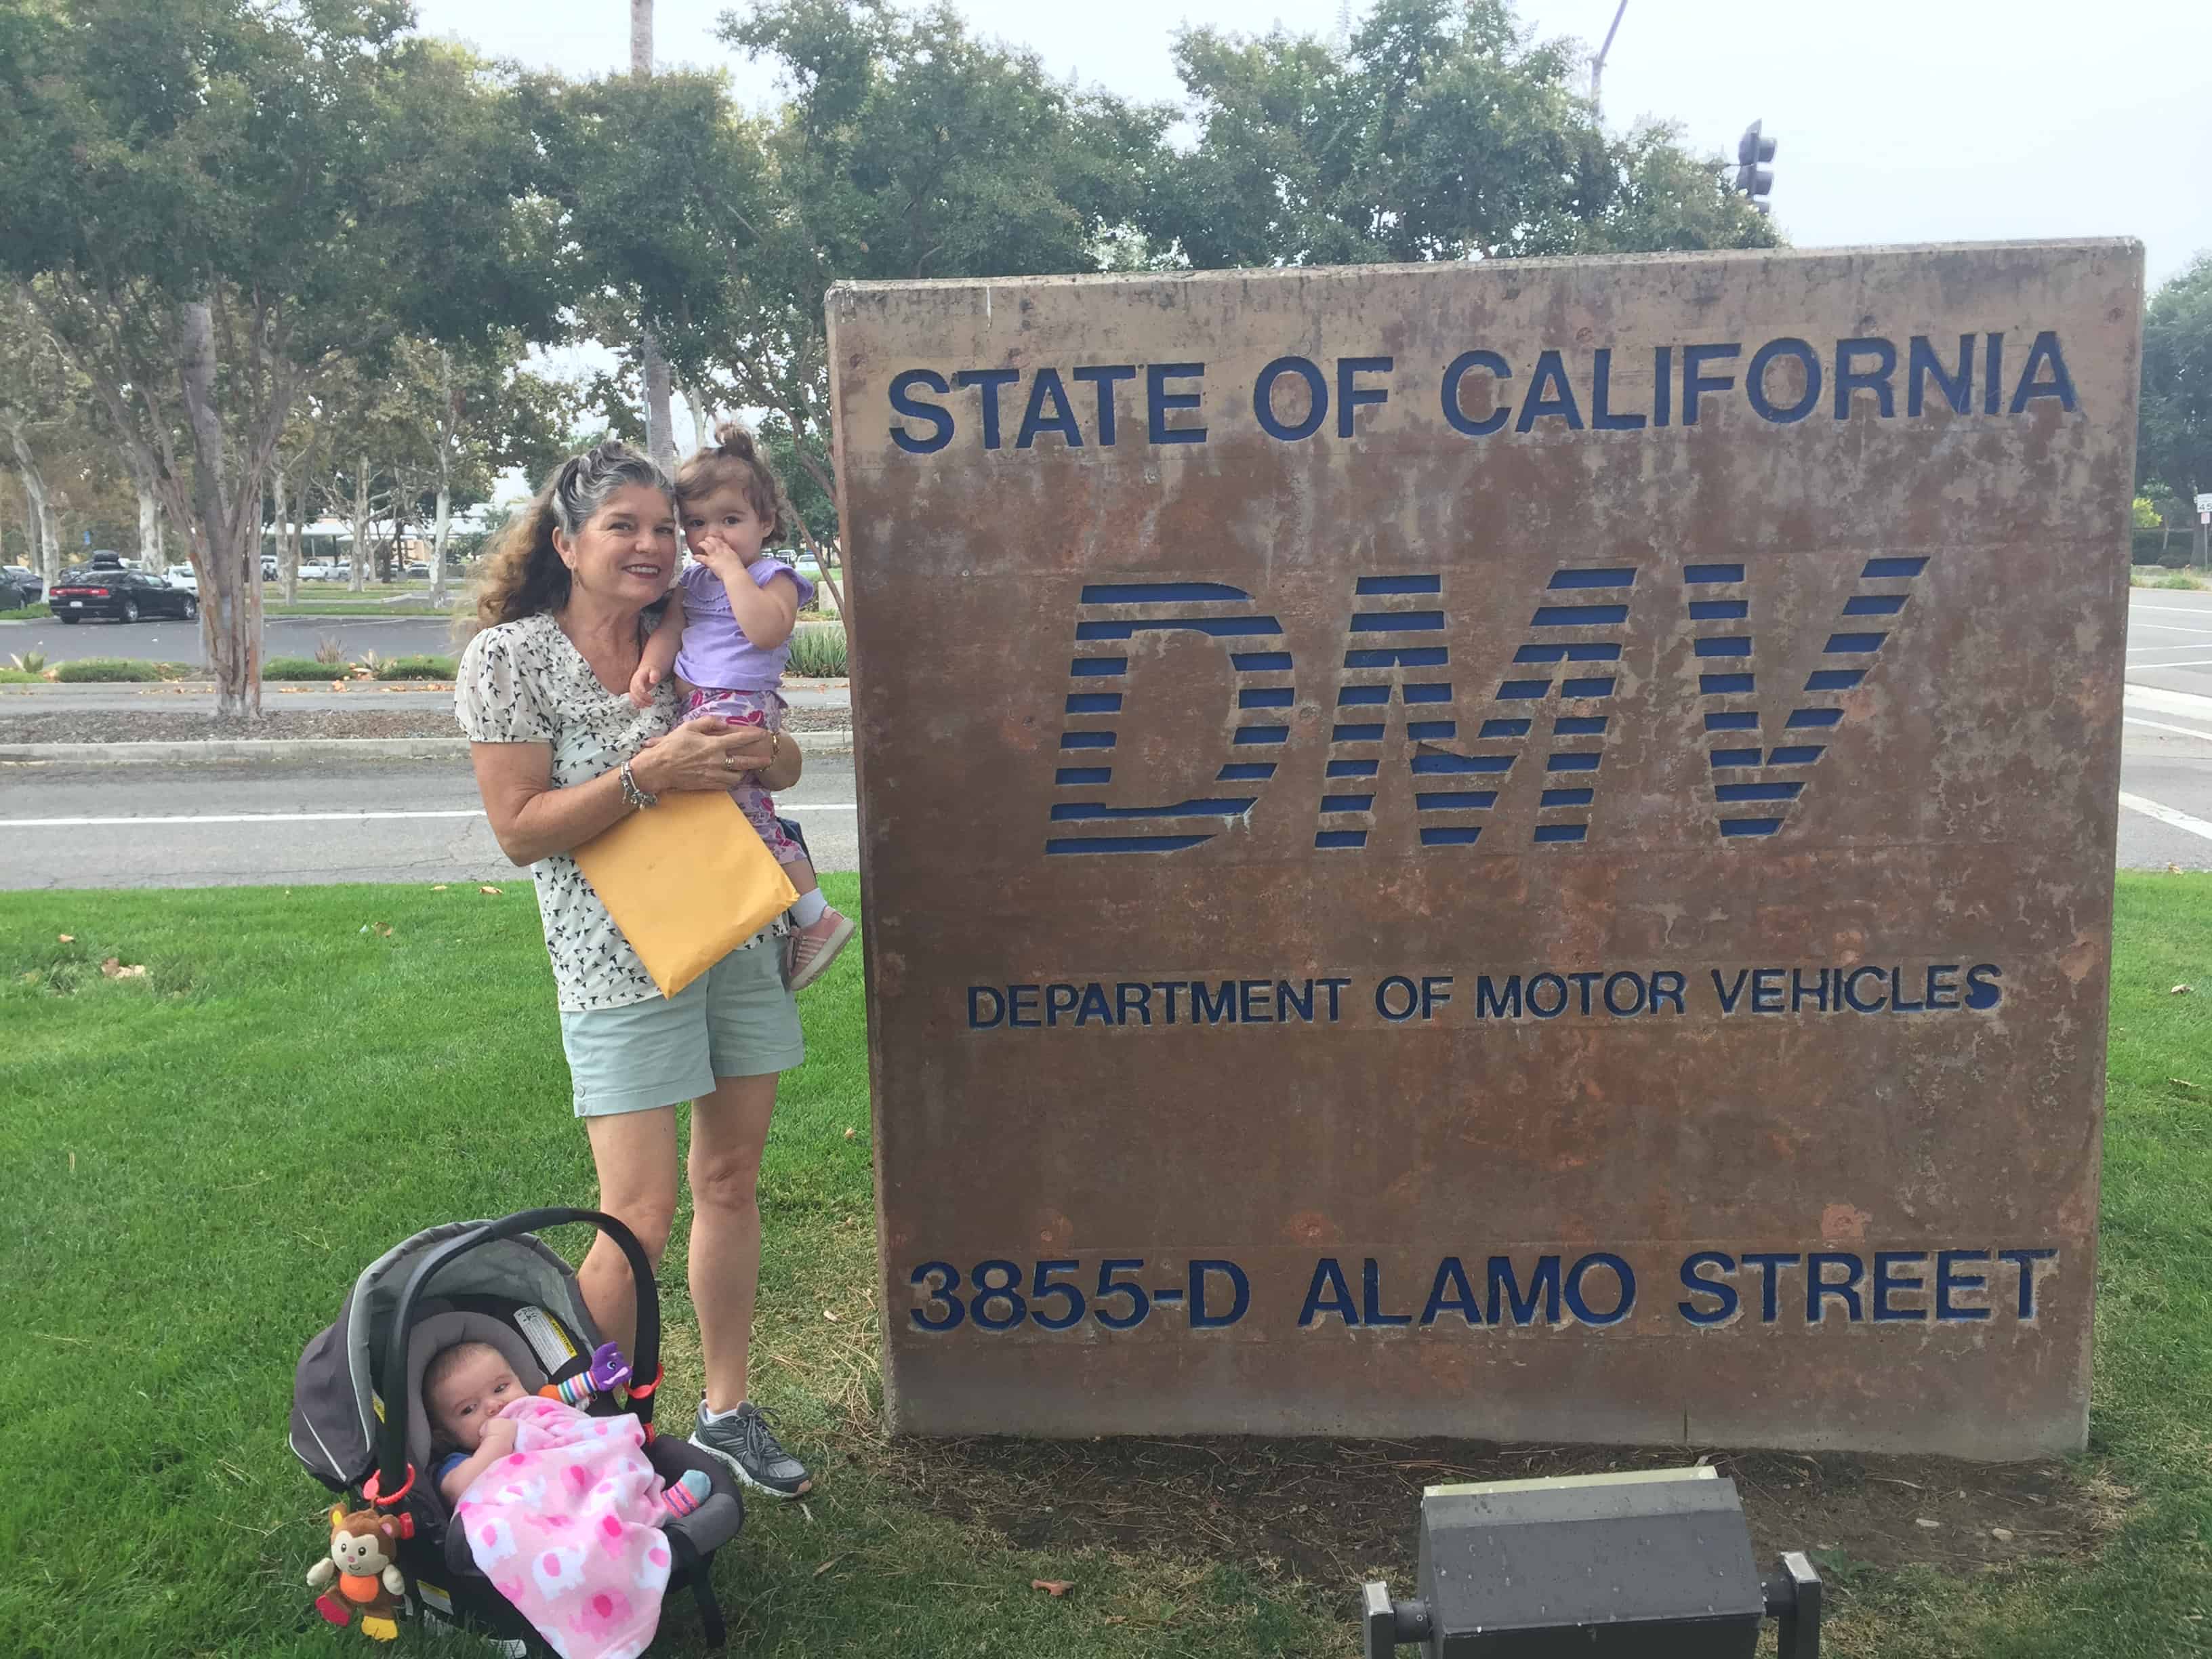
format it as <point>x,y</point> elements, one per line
<point>466,1388</point>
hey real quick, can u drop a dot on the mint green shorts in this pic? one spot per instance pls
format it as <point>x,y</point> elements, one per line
<point>736,1020</point>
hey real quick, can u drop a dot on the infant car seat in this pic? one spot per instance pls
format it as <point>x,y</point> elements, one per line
<point>359,1424</point>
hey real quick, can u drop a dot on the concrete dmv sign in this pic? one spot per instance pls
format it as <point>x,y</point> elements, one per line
<point>1521,851</point>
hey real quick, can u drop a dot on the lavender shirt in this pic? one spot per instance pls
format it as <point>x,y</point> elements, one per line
<point>716,654</point>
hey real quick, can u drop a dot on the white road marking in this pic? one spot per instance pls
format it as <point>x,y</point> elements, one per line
<point>2159,701</point>
<point>2151,808</point>
<point>2194,662</point>
<point>2160,725</point>
<point>793,807</point>
<point>2175,610</point>
<point>2173,627</point>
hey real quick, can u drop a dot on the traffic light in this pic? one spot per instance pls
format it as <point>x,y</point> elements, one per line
<point>1752,176</point>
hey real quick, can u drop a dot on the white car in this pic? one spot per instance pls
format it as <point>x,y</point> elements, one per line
<point>180,576</point>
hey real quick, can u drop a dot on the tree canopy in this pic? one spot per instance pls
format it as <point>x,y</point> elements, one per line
<point>1440,130</point>
<point>209,203</point>
<point>2174,448</point>
<point>240,218</point>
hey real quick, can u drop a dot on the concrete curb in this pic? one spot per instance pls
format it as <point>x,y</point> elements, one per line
<point>827,744</point>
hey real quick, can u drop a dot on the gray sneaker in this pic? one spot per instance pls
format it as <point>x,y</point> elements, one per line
<point>743,1440</point>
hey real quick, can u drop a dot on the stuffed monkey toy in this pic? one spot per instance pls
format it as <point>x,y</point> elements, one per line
<point>362,1548</point>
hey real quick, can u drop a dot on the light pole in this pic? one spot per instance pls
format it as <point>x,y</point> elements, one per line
<point>1597,63</point>
<point>660,415</point>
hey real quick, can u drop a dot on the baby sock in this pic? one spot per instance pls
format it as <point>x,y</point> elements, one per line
<point>684,1495</point>
<point>806,909</point>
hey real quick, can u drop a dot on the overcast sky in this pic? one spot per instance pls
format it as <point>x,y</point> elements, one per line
<point>1898,120</point>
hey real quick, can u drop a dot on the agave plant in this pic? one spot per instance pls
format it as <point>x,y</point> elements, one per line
<point>29,662</point>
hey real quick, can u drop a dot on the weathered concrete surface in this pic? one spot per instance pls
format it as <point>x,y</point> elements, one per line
<point>1927,848</point>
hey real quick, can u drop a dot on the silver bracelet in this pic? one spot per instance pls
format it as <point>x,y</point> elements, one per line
<point>636,796</point>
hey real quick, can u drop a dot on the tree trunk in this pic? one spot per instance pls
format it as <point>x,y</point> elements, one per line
<point>223,531</point>
<point>703,420</point>
<point>31,559</point>
<point>287,550</point>
<point>438,537</point>
<point>50,538</point>
<point>43,529</point>
<point>358,558</point>
<point>660,415</point>
<point>149,529</point>
<point>288,557</point>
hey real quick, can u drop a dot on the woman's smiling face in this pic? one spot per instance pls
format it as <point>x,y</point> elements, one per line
<point>625,553</point>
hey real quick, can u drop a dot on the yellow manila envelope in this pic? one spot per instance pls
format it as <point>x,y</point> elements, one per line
<point>687,882</point>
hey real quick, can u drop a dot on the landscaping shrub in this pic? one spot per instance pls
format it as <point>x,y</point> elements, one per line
<point>296,668</point>
<point>818,652</point>
<point>415,668</point>
<point>101,671</point>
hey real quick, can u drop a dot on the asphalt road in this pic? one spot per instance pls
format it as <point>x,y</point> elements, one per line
<point>2169,640</point>
<point>217,826</point>
<point>165,638</point>
<point>309,822</point>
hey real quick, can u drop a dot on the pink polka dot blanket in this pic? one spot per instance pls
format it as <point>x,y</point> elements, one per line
<point>565,1528</point>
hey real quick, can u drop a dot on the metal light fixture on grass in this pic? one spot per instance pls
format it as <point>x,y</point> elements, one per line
<point>1648,1564</point>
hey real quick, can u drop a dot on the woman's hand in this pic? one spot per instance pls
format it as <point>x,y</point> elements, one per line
<point>707,753</point>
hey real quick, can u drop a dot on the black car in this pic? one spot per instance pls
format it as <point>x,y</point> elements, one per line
<point>100,589</point>
<point>19,588</point>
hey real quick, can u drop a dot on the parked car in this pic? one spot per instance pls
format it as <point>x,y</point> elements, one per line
<point>418,573</point>
<point>322,573</point>
<point>20,587</point>
<point>180,576</point>
<point>112,590</point>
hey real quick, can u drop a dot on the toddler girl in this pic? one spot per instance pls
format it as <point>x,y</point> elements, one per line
<point>727,635</point>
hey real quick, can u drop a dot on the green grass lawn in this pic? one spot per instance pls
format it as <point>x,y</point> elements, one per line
<point>195,1162</point>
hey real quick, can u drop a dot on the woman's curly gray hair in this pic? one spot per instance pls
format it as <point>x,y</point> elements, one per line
<point>523,574</point>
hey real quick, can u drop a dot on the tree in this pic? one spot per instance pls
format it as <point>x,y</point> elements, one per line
<point>210,201</point>
<point>465,414</point>
<point>2173,447</point>
<point>1439,131</point>
<point>907,149</point>
<point>35,398</point>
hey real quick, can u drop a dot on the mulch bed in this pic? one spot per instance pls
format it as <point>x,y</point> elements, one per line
<point>1335,1511</point>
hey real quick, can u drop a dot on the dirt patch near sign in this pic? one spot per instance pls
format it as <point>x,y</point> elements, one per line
<point>1337,1512</point>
